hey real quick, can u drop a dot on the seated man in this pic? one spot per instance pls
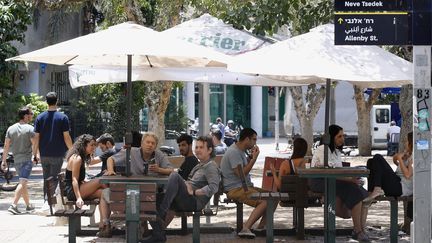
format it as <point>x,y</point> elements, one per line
<point>220,147</point>
<point>185,146</point>
<point>190,195</point>
<point>144,160</point>
<point>106,144</point>
<point>234,156</point>
<point>393,129</point>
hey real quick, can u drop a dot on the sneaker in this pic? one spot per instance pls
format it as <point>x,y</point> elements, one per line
<point>14,210</point>
<point>30,208</point>
<point>246,233</point>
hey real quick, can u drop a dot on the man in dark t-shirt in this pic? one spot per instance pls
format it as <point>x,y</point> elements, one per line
<point>185,146</point>
<point>52,139</point>
<point>106,144</point>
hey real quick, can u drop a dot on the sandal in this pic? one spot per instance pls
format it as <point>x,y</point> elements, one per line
<point>360,236</point>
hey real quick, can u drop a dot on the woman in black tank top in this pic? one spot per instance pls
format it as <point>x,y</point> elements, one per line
<point>289,167</point>
<point>77,189</point>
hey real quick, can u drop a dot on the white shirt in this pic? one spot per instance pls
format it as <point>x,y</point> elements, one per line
<point>334,159</point>
<point>393,129</point>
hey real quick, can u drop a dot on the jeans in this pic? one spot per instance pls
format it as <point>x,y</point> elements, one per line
<point>51,166</point>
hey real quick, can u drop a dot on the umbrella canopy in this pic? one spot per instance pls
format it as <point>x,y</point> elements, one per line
<point>213,33</point>
<point>126,45</point>
<point>109,47</point>
<point>207,32</point>
<point>315,54</point>
<point>82,75</point>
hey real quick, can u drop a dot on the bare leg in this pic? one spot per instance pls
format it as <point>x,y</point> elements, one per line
<point>18,193</point>
<point>364,213</point>
<point>263,220</point>
<point>90,189</point>
<point>24,192</point>
<point>258,212</point>
<point>104,211</point>
<point>356,217</point>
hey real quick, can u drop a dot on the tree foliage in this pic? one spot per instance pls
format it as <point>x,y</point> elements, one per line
<point>14,18</point>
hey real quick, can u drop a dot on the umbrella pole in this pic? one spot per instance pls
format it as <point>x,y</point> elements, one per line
<point>330,183</point>
<point>128,136</point>
<point>326,139</point>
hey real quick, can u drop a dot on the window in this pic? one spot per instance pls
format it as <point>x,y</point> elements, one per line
<point>382,115</point>
<point>60,85</point>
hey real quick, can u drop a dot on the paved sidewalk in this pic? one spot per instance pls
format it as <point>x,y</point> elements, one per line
<point>36,228</point>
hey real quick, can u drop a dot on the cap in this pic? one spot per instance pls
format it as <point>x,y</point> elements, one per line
<point>230,121</point>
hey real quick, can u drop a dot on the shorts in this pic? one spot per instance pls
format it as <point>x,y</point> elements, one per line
<point>238,194</point>
<point>23,169</point>
<point>69,193</point>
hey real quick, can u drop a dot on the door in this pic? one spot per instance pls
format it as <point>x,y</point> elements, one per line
<point>380,122</point>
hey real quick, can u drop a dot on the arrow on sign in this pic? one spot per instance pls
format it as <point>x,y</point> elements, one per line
<point>340,20</point>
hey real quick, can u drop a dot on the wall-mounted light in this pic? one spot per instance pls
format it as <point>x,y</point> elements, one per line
<point>21,76</point>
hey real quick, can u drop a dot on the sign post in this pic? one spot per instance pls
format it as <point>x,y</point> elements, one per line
<point>421,35</point>
<point>400,22</point>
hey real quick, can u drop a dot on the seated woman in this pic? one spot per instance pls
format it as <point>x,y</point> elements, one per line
<point>289,167</point>
<point>384,181</point>
<point>349,192</point>
<point>76,189</point>
<point>190,195</point>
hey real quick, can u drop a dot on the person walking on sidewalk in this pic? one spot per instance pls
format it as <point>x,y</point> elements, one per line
<point>19,140</point>
<point>52,139</point>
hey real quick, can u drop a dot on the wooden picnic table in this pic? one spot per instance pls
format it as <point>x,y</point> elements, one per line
<point>330,175</point>
<point>132,185</point>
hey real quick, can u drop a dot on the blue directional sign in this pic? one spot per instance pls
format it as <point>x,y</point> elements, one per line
<point>373,5</point>
<point>372,29</point>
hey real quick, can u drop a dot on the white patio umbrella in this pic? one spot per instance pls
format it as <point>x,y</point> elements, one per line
<point>314,54</point>
<point>128,45</point>
<point>83,75</point>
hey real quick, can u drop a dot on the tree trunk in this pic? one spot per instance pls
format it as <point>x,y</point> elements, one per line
<point>405,106</point>
<point>307,108</point>
<point>364,137</point>
<point>157,100</point>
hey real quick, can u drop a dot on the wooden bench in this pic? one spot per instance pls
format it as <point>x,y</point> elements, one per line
<point>300,197</point>
<point>133,203</point>
<point>73,214</point>
<point>67,203</point>
<point>394,214</point>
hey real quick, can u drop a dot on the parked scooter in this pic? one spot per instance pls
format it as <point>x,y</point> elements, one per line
<point>7,174</point>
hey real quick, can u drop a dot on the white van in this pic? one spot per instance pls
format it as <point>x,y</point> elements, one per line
<point>380,122</point>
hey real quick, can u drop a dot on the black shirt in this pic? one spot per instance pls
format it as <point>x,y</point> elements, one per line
<point>104,157</point>
<point>188,164</point>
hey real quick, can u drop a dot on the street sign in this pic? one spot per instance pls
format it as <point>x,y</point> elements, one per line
<point>372,29</point>
<point>373,5</point>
